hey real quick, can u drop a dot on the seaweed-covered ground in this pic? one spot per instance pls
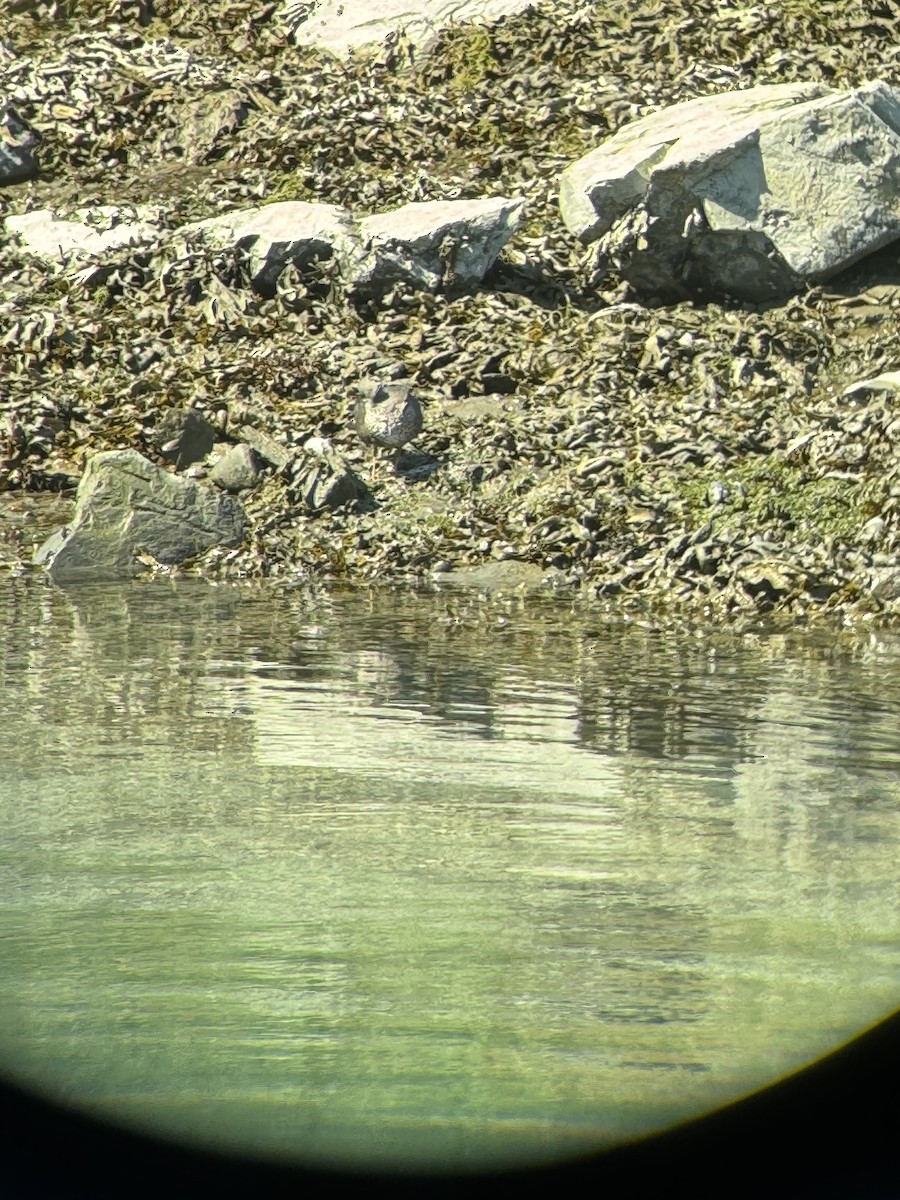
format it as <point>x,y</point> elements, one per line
<point>687,458</point>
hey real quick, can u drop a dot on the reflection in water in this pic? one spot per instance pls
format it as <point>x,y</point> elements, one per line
<point>388,880</point>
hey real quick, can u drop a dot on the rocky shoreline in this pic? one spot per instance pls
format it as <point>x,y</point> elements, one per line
<point>686,457</point>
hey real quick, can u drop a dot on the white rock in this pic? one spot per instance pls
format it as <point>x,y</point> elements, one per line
<point>341,25</point>
<point>100,229</point>
<point>602,185</point>
<point>319,445</point>
<point>747,193</point>
<point>436,244</point>
<point>275,234</point>
<point>888,382</point>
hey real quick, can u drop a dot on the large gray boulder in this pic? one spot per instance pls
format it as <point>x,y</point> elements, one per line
<point>17,143</point>
<point>341,25</point>
<point>433,245</point>
<point>125,508</point>
<point>746,194</point>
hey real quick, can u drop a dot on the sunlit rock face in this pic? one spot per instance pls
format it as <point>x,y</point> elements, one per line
<point>745,194</point>
<point>342,26</point>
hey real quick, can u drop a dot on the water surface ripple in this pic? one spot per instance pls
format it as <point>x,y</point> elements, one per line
<point>428,881</point>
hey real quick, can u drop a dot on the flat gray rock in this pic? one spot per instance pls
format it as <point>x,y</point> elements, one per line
<point>341,25</point>
<point>126,507</point>
<point>510,575</point>
<point>433,245</point>
<point>100,229</point>
<point>746,194</point>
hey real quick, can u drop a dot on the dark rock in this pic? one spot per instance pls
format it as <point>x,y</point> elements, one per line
<point>17,143</point>
<point>185,437</point>
<point>238,469</point>
<point>415,464</point>
<point>498,384</point>
<point>323,479</point>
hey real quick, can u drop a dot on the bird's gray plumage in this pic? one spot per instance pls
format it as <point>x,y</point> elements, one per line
<point>390,415</point>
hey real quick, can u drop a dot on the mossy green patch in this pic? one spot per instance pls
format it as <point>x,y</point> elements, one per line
<point>764,491</point>
<point>291,185</point>
<point>466,57</point>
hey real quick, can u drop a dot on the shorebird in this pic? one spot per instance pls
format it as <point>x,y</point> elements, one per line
<point>390,415</point>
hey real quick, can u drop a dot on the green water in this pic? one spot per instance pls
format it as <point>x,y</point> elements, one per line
<point>429,881</point>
